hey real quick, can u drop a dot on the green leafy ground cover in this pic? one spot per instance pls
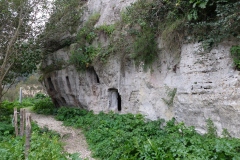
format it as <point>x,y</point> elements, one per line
<point>45,144</point>
<point>130,137</point>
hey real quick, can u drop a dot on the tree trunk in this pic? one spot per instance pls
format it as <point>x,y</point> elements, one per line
<point>1,91</point>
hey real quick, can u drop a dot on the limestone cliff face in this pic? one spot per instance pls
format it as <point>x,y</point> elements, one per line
<point>190,86</point>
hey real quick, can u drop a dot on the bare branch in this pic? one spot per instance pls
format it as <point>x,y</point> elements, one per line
<point>8,52</point>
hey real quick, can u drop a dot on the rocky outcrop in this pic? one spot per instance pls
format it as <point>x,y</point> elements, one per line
<point>190,86</point>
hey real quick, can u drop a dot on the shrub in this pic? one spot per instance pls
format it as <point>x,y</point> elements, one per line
<point>107,29</point>
<point>40,96</point>
<point>44,106</point>
<point>84,54</point>
<point>129,136</point>
<point>65,113</point>
<point>44,146</point>
<point>235,52</point>
<point>6,128</point>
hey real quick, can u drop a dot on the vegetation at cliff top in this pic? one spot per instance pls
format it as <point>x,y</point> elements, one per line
<point>136,35</point>
<point>235,52</point>
<point>113,136</point>
<point>175,21</point>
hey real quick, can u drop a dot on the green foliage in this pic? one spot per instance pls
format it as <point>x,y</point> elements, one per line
<point>171,94</point>
<point>65,113</point>
<point>20,51</point>
<point>83,57</point>
<point>107,29</point>
<point>44,146</point>
<point>54,66</point>
<point>235,52</point>
<point>30,84</point>
<point>225,133</point>
<point>65,17</point>
<point>197,7</point>
<point>87,33</point>
<point>7,108</point>
<point>129,136</point>
<point>85,53</point>
<point>6,114</point>
<point>220,22</point>
<point>175,21</point>
<point>211,129</point>
<point>141,32</point>
<point>145,49</point>
<point>40,96</point>
<point>136,34</point>
<point>6,128</point>
<point>44,106</point>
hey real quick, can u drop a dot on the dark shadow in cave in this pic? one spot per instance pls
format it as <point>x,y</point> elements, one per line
<point>114,99</point>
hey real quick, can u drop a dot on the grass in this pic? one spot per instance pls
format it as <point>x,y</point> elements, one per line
<point>45,144</point>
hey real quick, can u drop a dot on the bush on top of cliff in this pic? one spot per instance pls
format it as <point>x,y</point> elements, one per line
<point>175,21</point>
<point>136,34</point>
<point>85,52</point>
<point>62,24</point>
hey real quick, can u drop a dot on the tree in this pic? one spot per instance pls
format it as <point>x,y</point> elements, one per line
<point>21,21</point>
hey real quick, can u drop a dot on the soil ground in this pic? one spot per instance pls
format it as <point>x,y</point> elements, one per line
<point>73,139</point>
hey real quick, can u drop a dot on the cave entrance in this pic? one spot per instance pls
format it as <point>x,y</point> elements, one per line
<point>68,84</point>
<point>114,100</point>
<point>55,102</point>
<point>63,101</point>
<point>50,84</point>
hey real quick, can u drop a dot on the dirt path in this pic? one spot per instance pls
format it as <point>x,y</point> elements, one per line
<point>73,139</point>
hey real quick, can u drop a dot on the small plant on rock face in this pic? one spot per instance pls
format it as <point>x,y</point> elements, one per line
<point>235,52</point>
<point>171,94</point>
<point>225,133</point>
<point>107,29</point>
<point>85,53</point>
<point>211,129</point>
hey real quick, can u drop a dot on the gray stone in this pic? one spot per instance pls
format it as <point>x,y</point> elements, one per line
<point>207,84</point>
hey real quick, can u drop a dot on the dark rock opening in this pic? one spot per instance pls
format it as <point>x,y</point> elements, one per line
<point>119,102</point>
<point>114,99</point>
<point>63,100</point>
<point>55,102</point>
<point>50,84</point>
<point>92,75</point>
<point>68,84</point>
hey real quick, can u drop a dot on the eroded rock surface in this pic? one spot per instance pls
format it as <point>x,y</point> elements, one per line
<point>207,85</point>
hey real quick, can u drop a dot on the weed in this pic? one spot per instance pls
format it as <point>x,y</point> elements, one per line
<point>45,144</point>
<point>84,54</point>
<point>44,106</point>
<point>211,129</point>
<point>235,52</point>
<point>107,29</point>
<point>127,136</point>
<point>171,94</point>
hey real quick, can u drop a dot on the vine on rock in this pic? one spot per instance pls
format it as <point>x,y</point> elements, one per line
<point>137,33</point>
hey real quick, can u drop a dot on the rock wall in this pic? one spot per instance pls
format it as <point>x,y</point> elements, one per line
<point>206,84</point>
